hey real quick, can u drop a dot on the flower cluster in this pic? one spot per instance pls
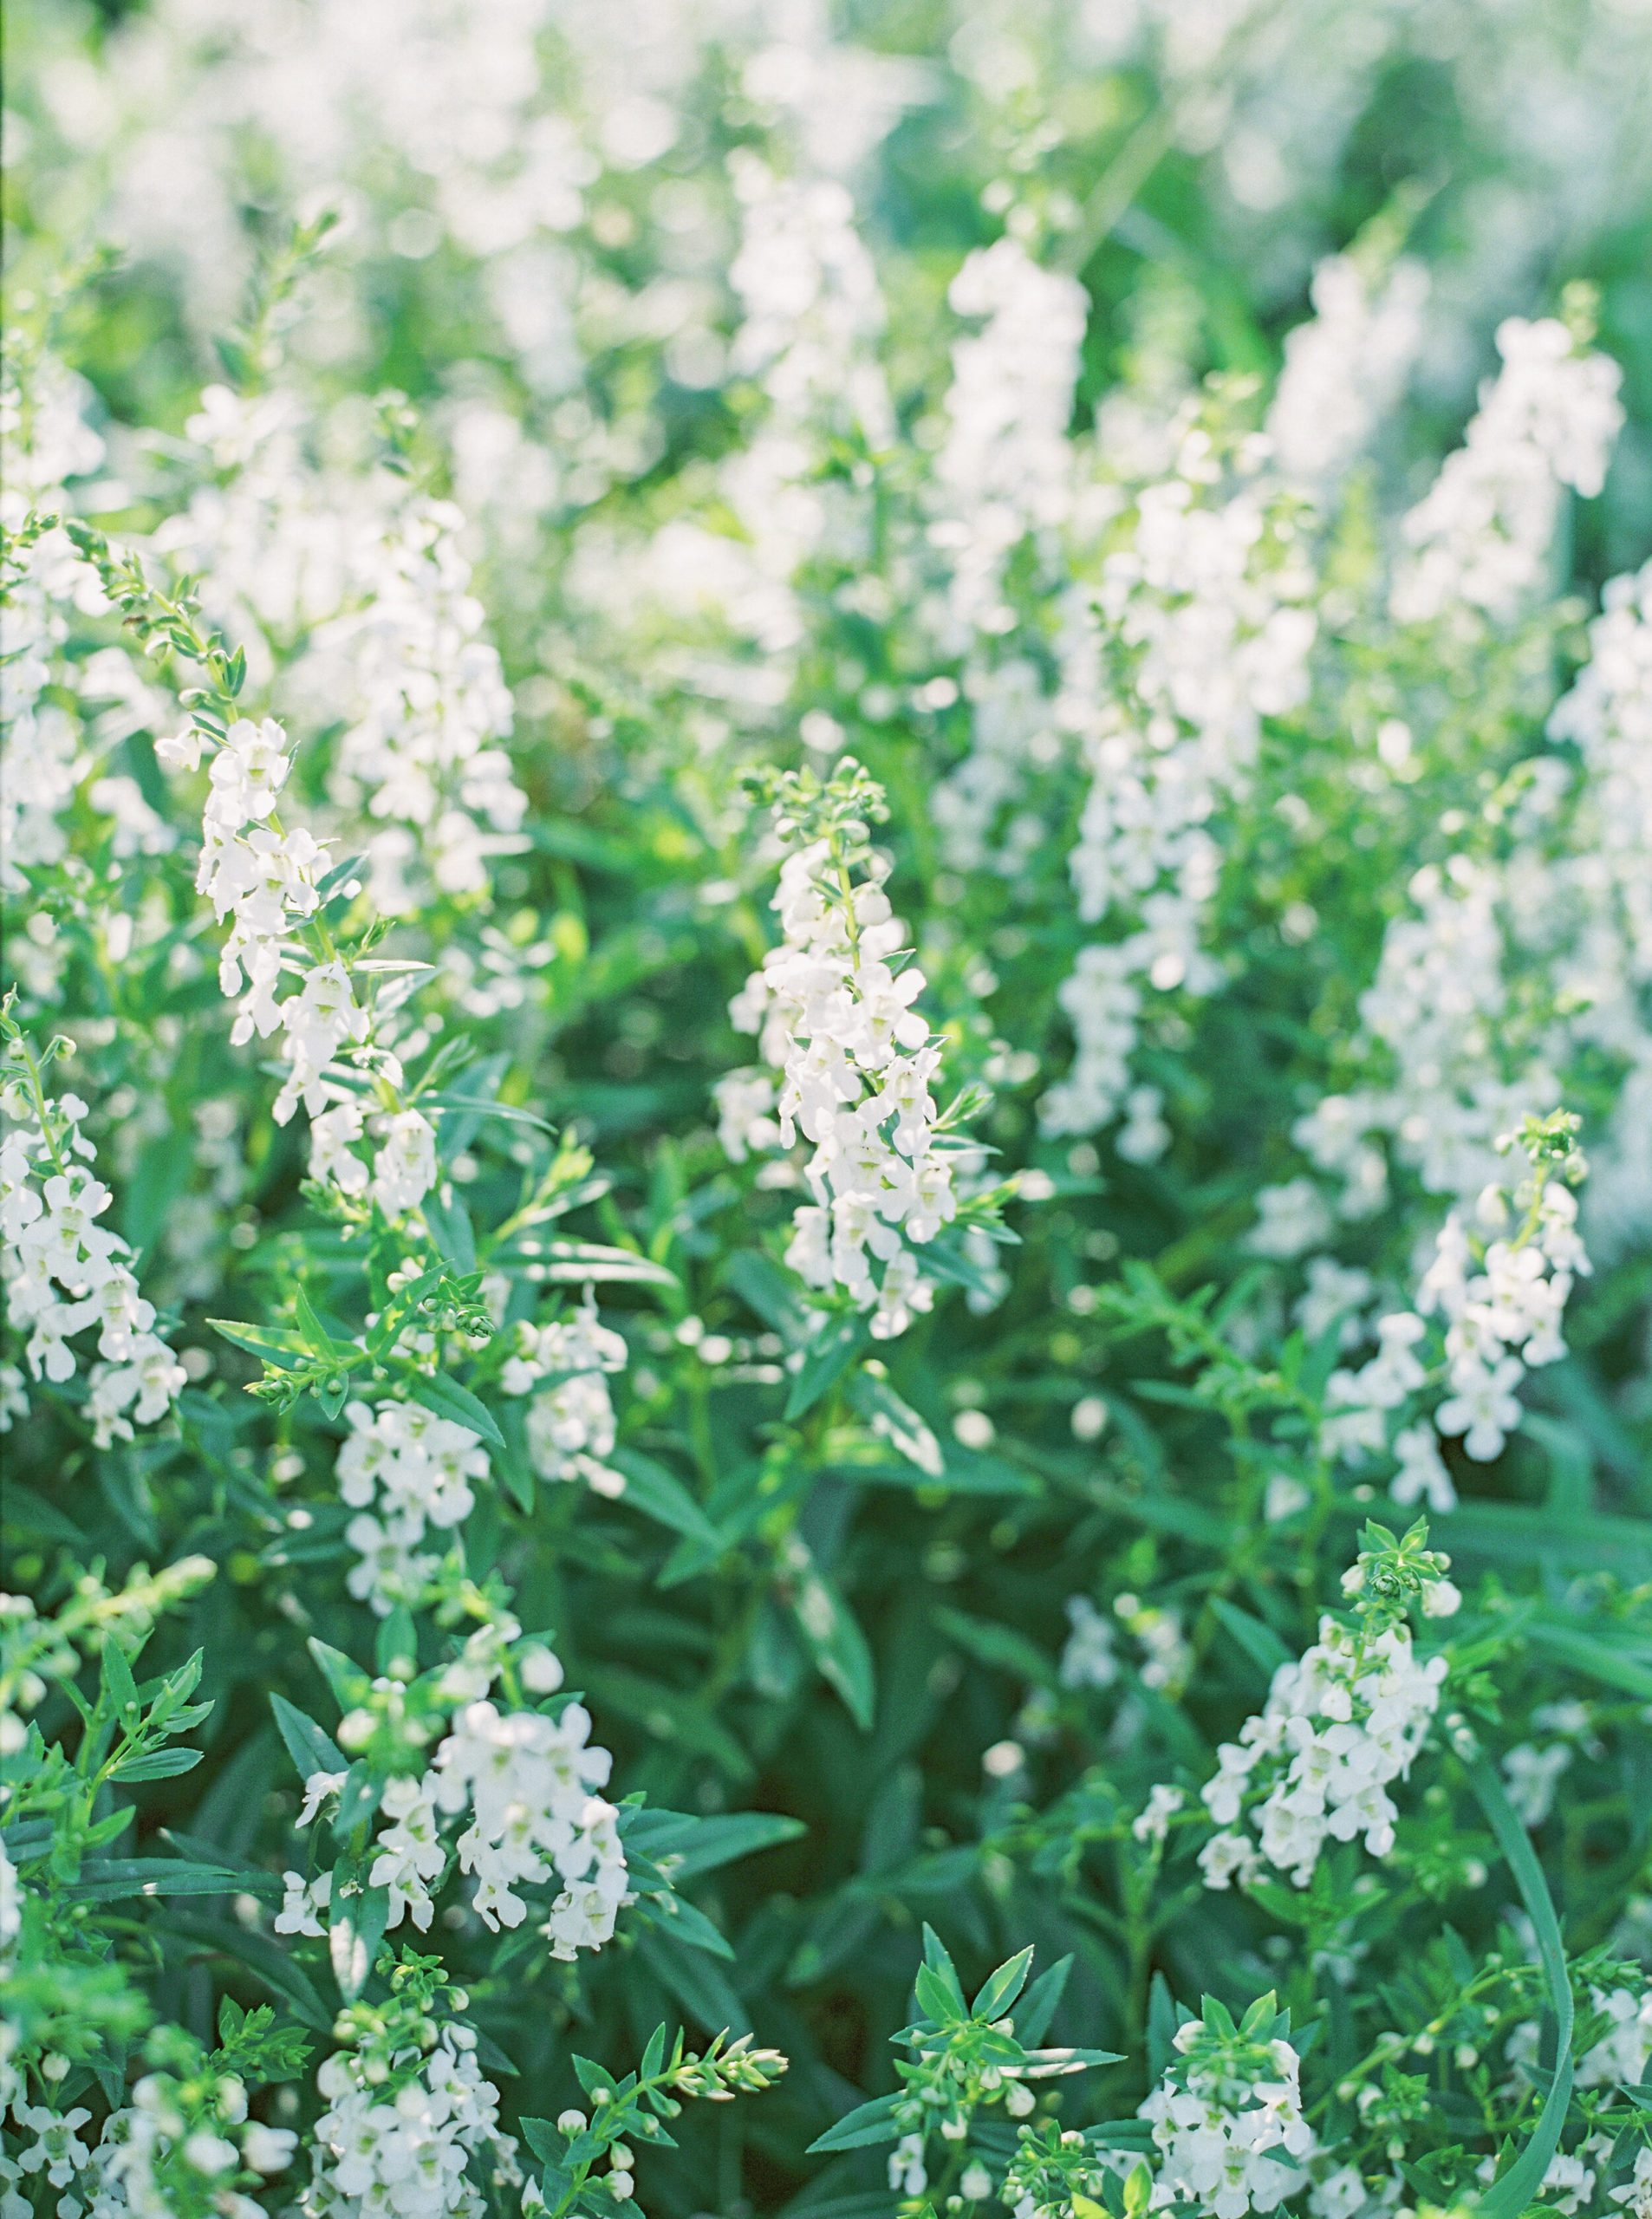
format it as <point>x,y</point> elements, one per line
<point>404,1163</point>
<point>263,879</point>
<point>1344,367</point>
<point>528,1780</point>
<point>836,1016</point>
<point>50,1201</point>
<point>571,1423</point>
<point>1006,469</point>
<point>403,1470</point>
<point>1340,1725</point>
<point>1206,613</point>
<point>1504,1318</point>
<point>180,2149</point>
<point>405,2127</point>
<point>362,574</point>
<point>1478,538</point>
<point>1227,2118</point>
<point>1501,1303</point>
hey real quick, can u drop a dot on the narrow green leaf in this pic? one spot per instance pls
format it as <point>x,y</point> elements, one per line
<point>684,1922</point>
<point>449,1400</point>
<point>829,1355</point>
<point>578,1263</point>
<point>897,1422</point>
<point>354,1937</point>
<point>833,1637</point>
<point>720,1841</point>
<point>1508,2196</point>
<point>159,1764</point>
<point>695,1980</point>
<point>277,1345</point>
<point>310,1748</point>
<point>1000,1988</point>
<point>652,1489</point>
<point>1260,1641</point>
<point>342,1674</point>
<point>866,2123</point>
<point>1039,2005</point>
<point>935,2000</point>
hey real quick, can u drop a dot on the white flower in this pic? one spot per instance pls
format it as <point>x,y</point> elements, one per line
<point>1339,1726</point>
<point>57,2150</point>
<point>1479,537</point>
<point>412,1470</point>
<point>1485,1408</point>
<point>855,1068</point>
<point>1531,1775</point>
<point>1422,1471</point>
<point>1087,1660</point>
<point>268,2149</point>
<point>404,1169</point>
<point>1291,1218</point>
<point>331,1135</point>
<point>1153,1824</point>
<point>248,772</point>
<point>1569,2183</point>
<point>305,1901</point>
<point>1214,2127</point>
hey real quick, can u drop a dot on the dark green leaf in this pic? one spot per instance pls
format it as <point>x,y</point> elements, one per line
<point>449,1400</point>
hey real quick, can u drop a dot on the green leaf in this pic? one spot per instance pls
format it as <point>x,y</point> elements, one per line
<point>829,1354</point>
<point>941,1260</point>
<point>1039,2005</point>
<point>669,1715</point>
<point>693,1980</point>
<point>310,1748</point>
<point>449,1400</point>
<point>718,1841</point>
<point>342,1674</point>
<point>317,1337</point>
<point>768,1288</point>
<point>1164,2016</point>
<point>1598,1660</point>
<point>866,2123</point>
<point>117,1676</point>
<point>263,1958</point>
<point>684,1922</point>
<point>1002,1647</point>
<point>897,1422</point>
<point>160,1764</point>
<point>1000,1989</point>
<point>935,2000</point>
<point>577,1263</point>
<point>398,1640</point>
<point>112,1879</point>
<point>277,1345</point>
<point>651,1488</point>
<point>1260,1641</point>
<point>354,1937</point>
<point>31,1514</point>
<point>833,1637</point>
<point>1508,2196</point>
<point>1507,1533</point>
<point>451,1231</point>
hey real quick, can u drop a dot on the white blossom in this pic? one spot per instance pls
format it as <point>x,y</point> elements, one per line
<point>1229,2141</point>
<point>50,1203</point>
<point>857,1063</point>
<point>408,1472</point>
<point>1340,1725</point>
<point>1479,537</point>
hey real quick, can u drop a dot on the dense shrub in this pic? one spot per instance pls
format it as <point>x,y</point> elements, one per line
<point>828,1148</point>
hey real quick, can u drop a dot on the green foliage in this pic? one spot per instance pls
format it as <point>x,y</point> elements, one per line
<point>912,1654</point>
